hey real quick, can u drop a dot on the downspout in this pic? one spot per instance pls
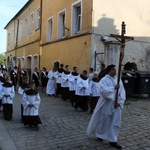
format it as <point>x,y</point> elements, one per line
<point>41,10</point>
<point>17,33</point>
<point>41,5</point>
<point>16,38</point>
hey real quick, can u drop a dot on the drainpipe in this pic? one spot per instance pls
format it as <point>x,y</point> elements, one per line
<point>16,39</point>
<point>41,6</point>
<point>17,33</point>
<point>41,11</point>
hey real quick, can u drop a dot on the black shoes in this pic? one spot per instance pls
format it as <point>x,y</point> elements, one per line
<point>100,139</point>
<point>116,145</point>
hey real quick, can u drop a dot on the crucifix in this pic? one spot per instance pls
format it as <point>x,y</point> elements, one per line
<point>122,39</point>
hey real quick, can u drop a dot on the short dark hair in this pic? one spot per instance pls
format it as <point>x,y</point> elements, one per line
<point>110,67</point>
<point>31,82</point>
<point>44,68</point>
<point>74,67</point>
<point>103,65</point>
<point>66,66</point>
<point>91,69</point>
<point>84,71</point>
<point>61,65</point>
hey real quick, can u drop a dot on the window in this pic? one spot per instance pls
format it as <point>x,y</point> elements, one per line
<point>8,39</point>
<point>25,27</point>
<point>20,30</point>
<point>49,30</point>
<point>78,23</point>
<point>31,24</point>
<point>38,19</point>
<point>76,17</point>
<point>61,24</point>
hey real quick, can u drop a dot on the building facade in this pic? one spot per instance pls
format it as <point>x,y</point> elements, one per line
<point>72,32</point>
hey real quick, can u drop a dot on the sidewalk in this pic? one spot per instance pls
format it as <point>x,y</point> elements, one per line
<point>6,142</point>
<point>64,128</point>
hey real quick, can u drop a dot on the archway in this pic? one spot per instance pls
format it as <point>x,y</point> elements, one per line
<point>35,63</point>
<point>23,62</point>
<point>28,65</point>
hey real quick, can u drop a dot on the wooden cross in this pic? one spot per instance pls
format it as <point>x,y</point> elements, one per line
<point>122,39</point>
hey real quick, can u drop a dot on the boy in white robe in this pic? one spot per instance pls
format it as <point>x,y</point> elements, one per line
<point>7,94</point>
<point>93,91</point>
<point>22,88</point>
<point>72,85</point>
<point>106,120</point>
<point>65,83</point>
<point>82,92</point>
<point>31,102</point>
<point>2,80</point>
<point>59,79</point>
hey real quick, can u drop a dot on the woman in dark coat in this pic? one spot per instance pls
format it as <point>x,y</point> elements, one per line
<point>36,77</point>
<point>44,79</point>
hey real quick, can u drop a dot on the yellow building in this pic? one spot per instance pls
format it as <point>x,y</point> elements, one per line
<point>23,36</point>
<point>48,32</point>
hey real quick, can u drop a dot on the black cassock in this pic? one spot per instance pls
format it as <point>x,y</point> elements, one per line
<point>36,78</point>
<point>14,77</point>
<point>44,78</point>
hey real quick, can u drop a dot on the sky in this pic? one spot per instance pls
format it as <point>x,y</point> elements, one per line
<point>8,9</point>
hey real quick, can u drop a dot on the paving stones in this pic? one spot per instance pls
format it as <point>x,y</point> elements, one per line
<point>63,128</point>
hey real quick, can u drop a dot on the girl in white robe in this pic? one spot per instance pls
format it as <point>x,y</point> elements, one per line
<point>7,94</point>
<point>31,102</point>
<point>51,85</point>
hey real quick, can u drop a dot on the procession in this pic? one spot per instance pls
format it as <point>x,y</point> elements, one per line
<point>72,77</point>
<point>83,91</point>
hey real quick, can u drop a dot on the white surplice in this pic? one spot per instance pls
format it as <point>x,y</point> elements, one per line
<point>82,88</point>
<point>58,77</point>
<point>93,88</point>
<point>65,80</point>
<point>106,120</point>
<point>51,85</point>
<point>73,82</point>
<point>31,99</point>
<point>9,91</point>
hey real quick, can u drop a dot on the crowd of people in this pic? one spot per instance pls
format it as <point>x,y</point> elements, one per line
<point>88,89</point>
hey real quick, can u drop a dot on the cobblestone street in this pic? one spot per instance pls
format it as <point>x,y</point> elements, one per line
<point>63,128</point>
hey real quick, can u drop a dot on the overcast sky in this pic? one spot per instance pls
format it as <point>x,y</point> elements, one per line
<point>8,9</point>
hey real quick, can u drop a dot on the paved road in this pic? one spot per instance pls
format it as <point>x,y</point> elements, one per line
<point>64,128</point>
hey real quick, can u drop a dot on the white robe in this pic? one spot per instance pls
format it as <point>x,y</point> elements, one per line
<point>65,80</point>
<point>93,89</point>
<point>73,82</point>
<point>80,90</point>
<point>58,77</point>
<point>7,90</point>
<point>31,99</point>
<point>1,86</point>
<point>51,85</point>
<point>106,120</point>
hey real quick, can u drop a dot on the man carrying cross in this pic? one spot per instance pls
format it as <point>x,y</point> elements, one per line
<point>105,122</point>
